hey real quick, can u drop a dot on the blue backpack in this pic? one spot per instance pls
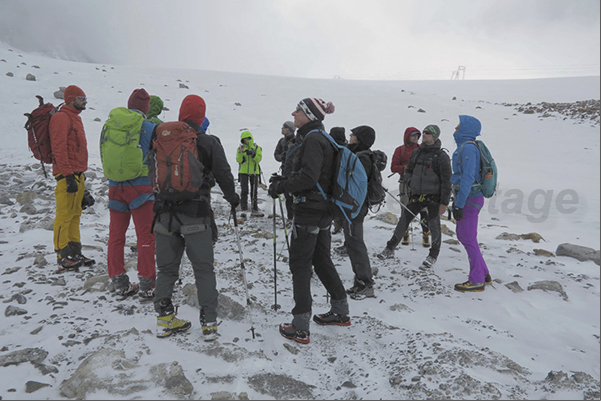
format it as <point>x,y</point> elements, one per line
<point>350,181</point>
<point>488,170</point>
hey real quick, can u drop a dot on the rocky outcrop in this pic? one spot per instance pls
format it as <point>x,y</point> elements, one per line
<point>582,253</point>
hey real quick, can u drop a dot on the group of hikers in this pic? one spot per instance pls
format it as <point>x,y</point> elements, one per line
<point>160,174</point>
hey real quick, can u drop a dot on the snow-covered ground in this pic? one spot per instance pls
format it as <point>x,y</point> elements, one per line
<point>417,339</point>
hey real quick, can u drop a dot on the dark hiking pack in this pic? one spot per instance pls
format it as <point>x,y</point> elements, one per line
<point>38,132</point>
<point>376,193</point>
<point>176,172</point>
<point>488,170</point>
<point>349,188</point>
<point>120,152</point>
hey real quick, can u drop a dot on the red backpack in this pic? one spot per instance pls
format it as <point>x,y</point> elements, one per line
<point>38,133</point>
<point>175,170</point>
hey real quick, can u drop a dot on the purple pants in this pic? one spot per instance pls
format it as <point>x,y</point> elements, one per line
<point>467,234</point>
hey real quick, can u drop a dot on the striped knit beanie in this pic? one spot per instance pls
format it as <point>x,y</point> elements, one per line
<point>316,109</point>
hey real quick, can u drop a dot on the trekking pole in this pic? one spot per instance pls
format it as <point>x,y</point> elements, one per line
<point>284,221</point>
<point>275,305</point>
<point>248,303</point>
<point>400,203</point>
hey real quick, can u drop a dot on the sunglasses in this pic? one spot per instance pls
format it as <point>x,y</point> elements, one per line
<point>81,98</point>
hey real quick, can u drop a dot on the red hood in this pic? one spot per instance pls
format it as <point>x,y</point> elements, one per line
<point>408,132</point>
<point>193,109</point>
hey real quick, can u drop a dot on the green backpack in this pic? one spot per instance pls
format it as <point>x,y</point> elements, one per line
<point>122,157</point>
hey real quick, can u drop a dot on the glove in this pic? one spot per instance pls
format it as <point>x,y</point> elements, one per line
<point>457,213</point>
<point>275,178</point>
<point>275,188</point>
<point>236,201</point>
<point>250,152</point>
<point>88,200</point>
<point>72,185</point>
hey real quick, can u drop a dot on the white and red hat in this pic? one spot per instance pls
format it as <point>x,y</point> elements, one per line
<point>316,109</point>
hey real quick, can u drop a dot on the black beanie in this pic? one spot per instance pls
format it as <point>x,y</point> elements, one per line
<point>337,133</point>
<point>365,134</point>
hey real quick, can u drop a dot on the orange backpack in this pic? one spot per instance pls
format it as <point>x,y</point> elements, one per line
<point>175,170</point>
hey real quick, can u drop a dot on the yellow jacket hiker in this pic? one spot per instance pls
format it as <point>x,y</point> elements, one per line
<point>248,156</point>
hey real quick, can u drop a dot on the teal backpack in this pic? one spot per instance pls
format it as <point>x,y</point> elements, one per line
<point>120,152</point>
<point>488,170</point>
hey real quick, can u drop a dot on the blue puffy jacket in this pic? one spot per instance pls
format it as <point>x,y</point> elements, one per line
<point>467,171</point>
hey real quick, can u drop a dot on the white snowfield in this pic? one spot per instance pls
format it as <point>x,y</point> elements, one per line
<point>417,339</point>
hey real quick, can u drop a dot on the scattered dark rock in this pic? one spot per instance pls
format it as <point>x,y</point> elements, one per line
<point>548,285</point>
<point>578,252</point>
<point>32,386</point>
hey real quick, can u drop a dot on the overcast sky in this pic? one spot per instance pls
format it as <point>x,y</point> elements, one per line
<point>351,39</point>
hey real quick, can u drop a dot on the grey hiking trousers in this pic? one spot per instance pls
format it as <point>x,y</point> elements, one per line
<point>193,234</point>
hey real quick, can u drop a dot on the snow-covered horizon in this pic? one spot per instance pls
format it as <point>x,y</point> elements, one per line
<point>549,184</point>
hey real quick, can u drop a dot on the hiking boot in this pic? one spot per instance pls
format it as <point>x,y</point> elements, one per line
<point>331,318</point>
<point>126,291</point>
<point>257,213</point>
<point>426,239</point>
<point>74,249</point>
<point>468,286</point>
<point>405,240</point>
<point>353,289</point>
<point>487,279</point>
<point>363,292</point>
<point>69,263</point>
<point>169,324</point>
<point>209,331</point>
<point>85,260</point>
<point>146,295</point>
<point>300,336</point>
<point>428,263</point>
<point>341,250</point>
<point>387,253</point>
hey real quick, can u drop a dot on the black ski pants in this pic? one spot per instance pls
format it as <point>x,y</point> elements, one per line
<point>356,249</point>
<point>310,246</point>
<point>415,204</point>
<point>247,180</point>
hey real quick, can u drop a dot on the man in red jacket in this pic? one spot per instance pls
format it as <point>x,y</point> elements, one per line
<point>400,159</point>
<point>70,161</point>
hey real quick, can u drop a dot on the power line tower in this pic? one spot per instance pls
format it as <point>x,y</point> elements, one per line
<point>460,71</point>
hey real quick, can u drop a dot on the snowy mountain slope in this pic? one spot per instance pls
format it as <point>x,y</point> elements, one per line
<point>417,339</point>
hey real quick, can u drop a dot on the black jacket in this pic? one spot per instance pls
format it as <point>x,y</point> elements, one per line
<point>282,148</point>
<point>312,163</point>
<point>365,157</point>
<point>429,172</point>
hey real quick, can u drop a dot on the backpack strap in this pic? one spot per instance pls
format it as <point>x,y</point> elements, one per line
<point>336,147</point>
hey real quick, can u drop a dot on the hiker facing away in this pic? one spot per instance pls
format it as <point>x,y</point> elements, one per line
<point>428,177</point>
<point>70,162</point>
<point>133,199</point>
<point>186,225</point>
<point>313,164</point>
